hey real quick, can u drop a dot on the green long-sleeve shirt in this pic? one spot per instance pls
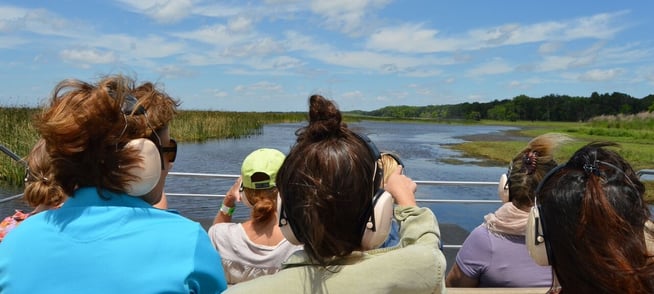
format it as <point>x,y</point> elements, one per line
<point>415,265</point>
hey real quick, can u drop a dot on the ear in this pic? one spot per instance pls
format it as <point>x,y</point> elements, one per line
<point>148,170</point>
<point>503,188</point>
<point>382,217</point>
<point>284,224</point>
<point>535,238</point>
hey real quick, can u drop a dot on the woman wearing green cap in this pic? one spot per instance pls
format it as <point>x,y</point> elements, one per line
<point>257,246</point>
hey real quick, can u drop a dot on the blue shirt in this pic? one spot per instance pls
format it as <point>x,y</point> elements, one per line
<point>119,245</point>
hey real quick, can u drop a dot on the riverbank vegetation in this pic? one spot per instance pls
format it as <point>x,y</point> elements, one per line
<point>18,135</point>
<point>634,133</point>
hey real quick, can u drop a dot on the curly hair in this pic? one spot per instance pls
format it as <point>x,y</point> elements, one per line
<point>85,128</point>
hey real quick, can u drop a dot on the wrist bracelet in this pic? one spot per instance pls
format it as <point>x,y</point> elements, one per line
<point>228,211</point>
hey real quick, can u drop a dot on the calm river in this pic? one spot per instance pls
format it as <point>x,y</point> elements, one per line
<point>419,145</point>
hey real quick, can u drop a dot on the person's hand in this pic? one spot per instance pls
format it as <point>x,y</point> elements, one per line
<point>401,187</point>
<point>234,194</point>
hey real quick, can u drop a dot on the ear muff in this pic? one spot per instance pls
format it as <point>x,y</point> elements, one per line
<point>148,170</point>
<point>503,188</point>
<point>379,225</point>
<point>284,225</point>
<point>535,238</point>
<point>244,198</point>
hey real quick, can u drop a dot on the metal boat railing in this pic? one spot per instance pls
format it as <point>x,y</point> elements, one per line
<point>640,173</point>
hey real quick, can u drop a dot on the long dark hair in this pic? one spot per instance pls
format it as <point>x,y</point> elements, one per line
<point>595,215</point>
<point>326,184</point>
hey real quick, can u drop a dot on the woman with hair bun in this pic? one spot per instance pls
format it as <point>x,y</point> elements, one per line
<point>332,203</point>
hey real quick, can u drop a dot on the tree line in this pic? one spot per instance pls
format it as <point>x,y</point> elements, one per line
<point>552,107</point>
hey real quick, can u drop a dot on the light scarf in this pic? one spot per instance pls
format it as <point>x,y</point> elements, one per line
<point>507,219</point>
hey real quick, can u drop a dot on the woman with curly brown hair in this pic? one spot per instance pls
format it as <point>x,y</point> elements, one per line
<point>331,201</point>
<point>110,151</point>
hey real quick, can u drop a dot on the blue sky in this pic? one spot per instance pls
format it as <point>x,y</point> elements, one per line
<point>365,54</point>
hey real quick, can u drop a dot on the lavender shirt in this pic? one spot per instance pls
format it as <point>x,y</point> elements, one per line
<point>500,261</point>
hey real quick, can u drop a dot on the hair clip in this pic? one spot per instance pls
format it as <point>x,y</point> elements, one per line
<point>592,168</point>
<point>529,161</point>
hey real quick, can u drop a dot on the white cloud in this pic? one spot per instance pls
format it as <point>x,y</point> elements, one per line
<point>162,11</point>
<point>240,24</point>
<point>37,21</point>
<point>598,75</point>
<point>262,86</point>
<point>218,34</point>
<point>346,15</point>
<point>493,67</point>
<point>84,57</point>
<point>549,47</point>
<point>410,37</point>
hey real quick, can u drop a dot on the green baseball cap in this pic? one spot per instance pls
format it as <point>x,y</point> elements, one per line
<point>259,168</point>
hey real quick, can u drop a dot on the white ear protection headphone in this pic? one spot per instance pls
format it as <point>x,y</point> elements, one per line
<point>378,215</point>
<point>503,186</point>
<point>148,170</point>
<point>535,236</point>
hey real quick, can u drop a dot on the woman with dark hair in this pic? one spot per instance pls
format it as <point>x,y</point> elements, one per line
<point>331,202</point>
<point>590,225</point>
<point>494,254</point>
<point>110,151</point>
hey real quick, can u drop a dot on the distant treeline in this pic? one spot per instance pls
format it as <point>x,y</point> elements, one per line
<point>547,108</point>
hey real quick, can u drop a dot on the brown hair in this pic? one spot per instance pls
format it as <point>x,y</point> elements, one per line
<point>264,204</point>
<point>529,167</point>
<point>85,129</point>
<point>40,185</point>
<point>326,184</point>
<point>593,215</point>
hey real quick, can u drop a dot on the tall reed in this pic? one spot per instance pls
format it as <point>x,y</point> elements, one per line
<point>18,134</point>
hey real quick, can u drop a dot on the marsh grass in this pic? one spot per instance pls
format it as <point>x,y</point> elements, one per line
<point>18,135</point>
<point>634,134</point>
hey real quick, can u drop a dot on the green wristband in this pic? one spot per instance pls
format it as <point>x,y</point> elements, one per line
<point>228,211</point>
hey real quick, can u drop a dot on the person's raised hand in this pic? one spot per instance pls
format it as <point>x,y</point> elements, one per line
<point>234,194</point>
<point>401,187</point>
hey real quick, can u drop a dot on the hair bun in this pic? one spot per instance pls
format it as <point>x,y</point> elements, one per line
<point>325,119</point>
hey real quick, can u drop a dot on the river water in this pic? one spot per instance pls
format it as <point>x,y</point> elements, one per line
<point>420,145</point>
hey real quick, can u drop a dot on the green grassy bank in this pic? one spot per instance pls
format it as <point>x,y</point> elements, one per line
<point>635,134</point>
